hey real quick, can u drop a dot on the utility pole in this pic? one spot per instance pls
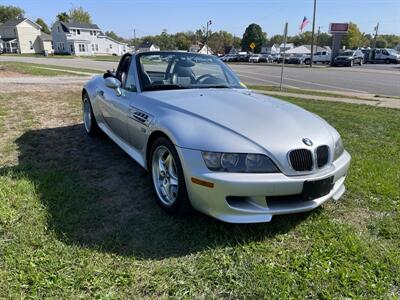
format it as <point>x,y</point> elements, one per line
<point>376,34</point>
<point>209,22</point>
<point>312,35</point>
<point>285,31</point>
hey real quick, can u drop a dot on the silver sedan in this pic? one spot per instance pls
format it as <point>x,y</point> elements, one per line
<point>210,143</point>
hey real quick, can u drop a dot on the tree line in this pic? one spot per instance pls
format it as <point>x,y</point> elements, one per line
<point>220,40</point>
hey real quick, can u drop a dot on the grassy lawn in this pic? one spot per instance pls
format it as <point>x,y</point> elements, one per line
<point>42,70</point>
<point>39,55</point>
<point>78,218</point>
<point>274,88</point>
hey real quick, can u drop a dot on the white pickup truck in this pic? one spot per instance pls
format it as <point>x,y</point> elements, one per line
<point>323,57</point>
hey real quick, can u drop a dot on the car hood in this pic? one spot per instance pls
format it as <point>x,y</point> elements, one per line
<point>343,57</point>
<point>271,124</point>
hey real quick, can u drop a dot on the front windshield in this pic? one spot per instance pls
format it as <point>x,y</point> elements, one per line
<point>177,70</point>
<point>392,51</point>
<point>348,53</point>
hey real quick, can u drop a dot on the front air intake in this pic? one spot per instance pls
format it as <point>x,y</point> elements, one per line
<point>322,156</point>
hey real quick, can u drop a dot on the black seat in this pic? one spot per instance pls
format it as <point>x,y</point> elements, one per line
<point>182,74</point>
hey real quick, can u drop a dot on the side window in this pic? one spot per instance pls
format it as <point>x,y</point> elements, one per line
<point>385,52</point>
<point>130,83</point>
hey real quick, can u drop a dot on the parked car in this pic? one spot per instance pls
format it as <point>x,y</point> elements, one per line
<point>255,58</point>
<point>387,56</point>
<point>349,58</point>
<point>168,119</point>
<point>297,59</point>
<point>275,57</point>
<point>280,58</point>
<point>266,58</point>
<point>323,57</point>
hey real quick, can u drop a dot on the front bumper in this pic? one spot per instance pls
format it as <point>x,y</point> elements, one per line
<point>252,198</point>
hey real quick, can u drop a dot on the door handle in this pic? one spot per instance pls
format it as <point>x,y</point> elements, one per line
<point>100,92</point>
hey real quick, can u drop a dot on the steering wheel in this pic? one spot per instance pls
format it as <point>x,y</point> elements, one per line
<point>203,77</point>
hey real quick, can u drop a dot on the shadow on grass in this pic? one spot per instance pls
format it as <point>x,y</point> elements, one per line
<point>98,197</point>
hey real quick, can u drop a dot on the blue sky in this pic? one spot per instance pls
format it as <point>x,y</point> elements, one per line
<point>150,17</point>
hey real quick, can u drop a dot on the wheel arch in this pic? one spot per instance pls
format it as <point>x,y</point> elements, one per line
<point>150,141</point>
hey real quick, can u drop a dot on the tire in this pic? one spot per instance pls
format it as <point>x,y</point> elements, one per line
<point>351,63</point>
<point>89,121</point>
<point>387,61</point>
<point>169,185</point>
<point>307,61</point>
<point>361,62</point>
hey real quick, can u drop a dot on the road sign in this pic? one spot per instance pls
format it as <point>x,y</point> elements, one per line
<point>338,27</point>
<point>252,46</point>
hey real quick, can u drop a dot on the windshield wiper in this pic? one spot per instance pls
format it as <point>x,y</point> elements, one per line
<point>159,87</point>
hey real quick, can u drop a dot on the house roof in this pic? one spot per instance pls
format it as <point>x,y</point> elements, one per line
<point>45,36</point>
<point>13,23</point>
<point>316,48</point>
<point>8,39</point>
<point>79,25</point>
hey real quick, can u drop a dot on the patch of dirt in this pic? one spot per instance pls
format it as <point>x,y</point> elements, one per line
<point>4,72</point>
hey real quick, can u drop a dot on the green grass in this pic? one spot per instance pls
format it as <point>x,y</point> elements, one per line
<point>39,55</point>
<point>42,70</point>
<point>78,219</point>
<point>112,58</point>
<point>274,88</point>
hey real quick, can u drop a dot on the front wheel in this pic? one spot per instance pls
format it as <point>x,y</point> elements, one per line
<point>387,61</point>
<point>307,61</point>
<point>168,178</point>
<point>351,63</point>
<point>89,121</point>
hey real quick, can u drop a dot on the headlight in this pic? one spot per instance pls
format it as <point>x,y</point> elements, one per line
<point>239,162</point>
<point>339,149</point>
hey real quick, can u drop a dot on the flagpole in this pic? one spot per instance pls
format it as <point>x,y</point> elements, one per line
<point>312,35</point>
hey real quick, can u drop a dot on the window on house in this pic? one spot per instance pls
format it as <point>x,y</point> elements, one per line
<point>97,47</point>
<point>92,47</point>
<point>72,48</point>
<point>58,28</point>
<point>78,31</point>
<point>31,45</point>
<point>110,46</point>
<point>52,45</point>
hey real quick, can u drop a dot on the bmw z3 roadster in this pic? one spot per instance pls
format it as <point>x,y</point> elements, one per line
<point>210,143</point>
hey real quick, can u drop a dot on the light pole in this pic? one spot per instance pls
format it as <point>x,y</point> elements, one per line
<point>312,35</point>
<point>209,22</point>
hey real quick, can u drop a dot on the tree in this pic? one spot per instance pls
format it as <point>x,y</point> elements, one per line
<point>10,13</point>
<point>237,42</point>
<point>253,34</point>
<point>114,36</point>
<point>63,17</point>
<point>276,39</point>
<point>218,41</point>
<point>182,41</point>
<point>165,41</point>
<point>324,39</point>
<point>79,15</point>
<point>381,43</point>
<point>354,38</point>
<point>43,24</point>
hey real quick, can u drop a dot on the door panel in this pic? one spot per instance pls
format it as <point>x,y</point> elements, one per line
<point>115,111</point>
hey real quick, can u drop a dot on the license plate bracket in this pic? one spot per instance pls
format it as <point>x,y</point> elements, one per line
<point>317,188</point>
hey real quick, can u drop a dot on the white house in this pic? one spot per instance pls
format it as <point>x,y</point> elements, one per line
<point>147,46</point>
<point>274,49</point>
<point>201,48</point>
<point>83,40</point>
<point>23,36</point>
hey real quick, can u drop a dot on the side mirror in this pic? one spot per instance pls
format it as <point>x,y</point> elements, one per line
<point>113,83</point>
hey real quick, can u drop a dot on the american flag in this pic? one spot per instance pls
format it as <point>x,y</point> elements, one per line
<point>304,23</point>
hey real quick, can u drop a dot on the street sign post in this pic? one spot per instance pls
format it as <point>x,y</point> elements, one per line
<point>338,30</point>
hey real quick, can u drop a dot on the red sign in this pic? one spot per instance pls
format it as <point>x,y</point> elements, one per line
<point>338,27</point>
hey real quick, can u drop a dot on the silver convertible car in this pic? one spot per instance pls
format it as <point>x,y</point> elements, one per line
<point>212,144</point>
